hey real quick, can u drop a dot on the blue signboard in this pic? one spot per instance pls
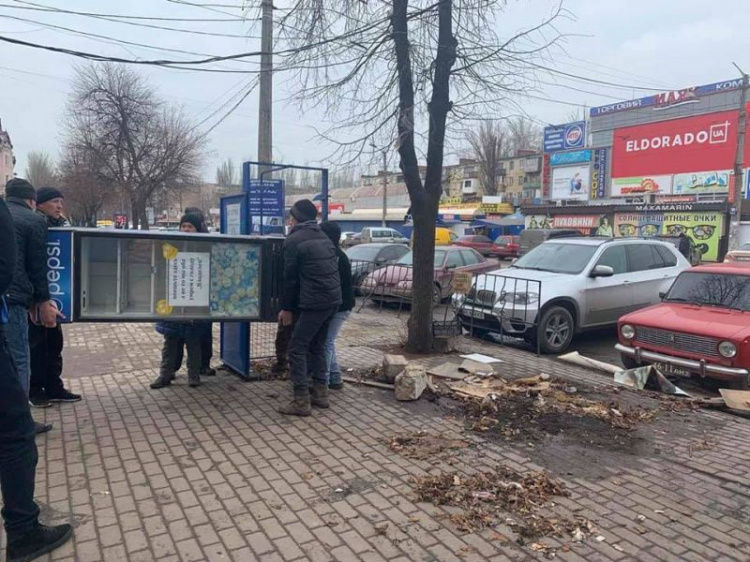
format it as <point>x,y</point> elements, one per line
<point>567,158</point>
<point>60,270</point>
<point>266,206</point>
<point>669,99</point>
<point>599,174</point>
<point>565,137</point>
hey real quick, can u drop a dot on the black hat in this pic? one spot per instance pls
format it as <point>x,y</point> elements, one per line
<point>304,210</point>
<point>195,220</point>
<point>332,230</point>
<point>21,188</point>
<point>44,194</point>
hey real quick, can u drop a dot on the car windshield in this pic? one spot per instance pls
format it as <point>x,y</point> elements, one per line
<point>503,241</point>
<point>712,289</point>
<point>362,253</point>
<point>745,247</point>
<point>439,258</point>
<point>557,258</point>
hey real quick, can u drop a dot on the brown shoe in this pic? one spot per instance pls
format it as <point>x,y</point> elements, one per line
<point>319,396</point>
<point>299,406</point>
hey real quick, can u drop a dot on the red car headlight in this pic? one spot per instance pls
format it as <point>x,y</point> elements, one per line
<point>627,331</point>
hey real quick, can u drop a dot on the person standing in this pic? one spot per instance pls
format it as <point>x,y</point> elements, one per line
<point>333,370</point>
<point>27,538</point>
<point>46,344</point>
<point>28,291</point>
<point>312,295</point>
<point>684,245</point>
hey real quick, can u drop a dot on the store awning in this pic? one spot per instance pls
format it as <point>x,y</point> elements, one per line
<point>460,214</point>
<point>516,219</point>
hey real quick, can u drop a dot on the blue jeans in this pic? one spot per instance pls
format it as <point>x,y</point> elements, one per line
<point>18,454</point>
<point>333,372</point>
<point>17,337</point>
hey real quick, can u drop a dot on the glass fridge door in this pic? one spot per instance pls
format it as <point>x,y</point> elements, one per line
<point>131,275</point>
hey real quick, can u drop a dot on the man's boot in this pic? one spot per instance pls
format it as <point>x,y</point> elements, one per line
<point>162,381</point>
<point>40,540</point>
<point>319,395</point>
<point>299,406</point>
<point>194,379</point>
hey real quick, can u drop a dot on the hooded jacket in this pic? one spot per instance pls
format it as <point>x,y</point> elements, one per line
<point>30,279</point>
<point>311,270</point>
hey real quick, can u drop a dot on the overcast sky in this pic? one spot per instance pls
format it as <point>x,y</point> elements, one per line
<point>637,43</point>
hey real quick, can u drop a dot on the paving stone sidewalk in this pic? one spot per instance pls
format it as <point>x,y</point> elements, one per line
<point>216,474</point>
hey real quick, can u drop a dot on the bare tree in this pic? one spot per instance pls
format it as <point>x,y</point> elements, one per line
<point>83,185</point>
<point>487,144</point>
<point>523,134</point>
<point>40,169</point>
<point>139,142</point>
<point>407,72</point>
<point>227,174</point>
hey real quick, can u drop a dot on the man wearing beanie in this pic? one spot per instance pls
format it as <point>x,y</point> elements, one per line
<point>29,290</point>
<point>46,344</point>
<point>312,295</point>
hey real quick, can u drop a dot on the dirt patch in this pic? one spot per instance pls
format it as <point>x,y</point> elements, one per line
<point>487,498</point>
<point>421,445</point>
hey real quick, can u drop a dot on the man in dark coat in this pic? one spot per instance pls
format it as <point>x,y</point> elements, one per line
<point>29,292</point>
<point>312,295</point>
<point>46,344</point>
<point>27,538</point>
<point>684,245</point>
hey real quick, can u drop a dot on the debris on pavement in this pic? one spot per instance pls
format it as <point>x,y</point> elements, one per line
<point>393,366</point>
<point>648,376</point>
<point>411,383</point>
<point>577,359</point>
<point>738,400</point>
<point>486,499</point>
<point>481,358</point>
<point>421,445</point>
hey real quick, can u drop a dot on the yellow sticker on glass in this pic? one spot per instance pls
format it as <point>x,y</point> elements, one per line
<point>168,251</point>
<point>163,308</point>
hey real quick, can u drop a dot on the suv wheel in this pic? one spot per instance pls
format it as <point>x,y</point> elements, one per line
<point>556,330</point>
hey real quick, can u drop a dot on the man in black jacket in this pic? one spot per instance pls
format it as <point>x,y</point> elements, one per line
<point>29,291</point>
<point>46,344</point>
<point>312,295</point>
<point>27,538</point>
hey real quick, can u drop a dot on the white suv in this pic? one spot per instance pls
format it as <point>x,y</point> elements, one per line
<point>569,285</point>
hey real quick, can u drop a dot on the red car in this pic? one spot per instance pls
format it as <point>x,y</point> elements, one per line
<point>508,246</point>
<point>701,327</point>
<point>481,244</point>
<point>394,282</point>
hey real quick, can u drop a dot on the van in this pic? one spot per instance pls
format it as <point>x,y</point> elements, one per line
<point>383,235</point>
<point>530,239</point>
<point>443,237</point>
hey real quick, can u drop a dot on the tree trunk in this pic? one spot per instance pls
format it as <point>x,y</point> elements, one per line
<point>134,213</point>
<point>423,277</point>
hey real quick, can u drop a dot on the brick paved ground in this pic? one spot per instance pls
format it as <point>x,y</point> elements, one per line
<point>216,474</point>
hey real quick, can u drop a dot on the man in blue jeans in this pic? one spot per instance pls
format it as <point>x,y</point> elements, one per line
<point>27,538</point>
<point>28,293</point>
<point>333,231</point>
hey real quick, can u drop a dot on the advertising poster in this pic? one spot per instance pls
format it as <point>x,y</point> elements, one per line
<point>235,283</point>
<point>677,146</point>
<point>533,222</point>
<point>705,228</point>
<point>234,225</point>
<point>60,271</point>
<point>570,182</point>
<point>599,174</point>
<point>568,158</point>
<point>188,279</point>
<point>565,137</point>
<point>702,182</point>
<point>641,185</point>
<point>266,206</point>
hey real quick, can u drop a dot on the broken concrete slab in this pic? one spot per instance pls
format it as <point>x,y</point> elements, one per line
<point>410,384</point>
<point>577,359</point>
<point>393,365</point>
<point>736,399</point>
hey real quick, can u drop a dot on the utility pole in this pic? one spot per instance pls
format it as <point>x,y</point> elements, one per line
<point>739,183</point>
<point>385,186</point>
<point>265,102</point>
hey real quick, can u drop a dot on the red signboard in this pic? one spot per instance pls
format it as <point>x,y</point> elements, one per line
<point>692,144</point>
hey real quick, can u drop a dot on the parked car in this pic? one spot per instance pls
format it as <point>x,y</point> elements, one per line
<point>352,240</point>
<point>532,238</point>
<point>508,246</point>
<point>366,258</point>
<point>569,285</point>
<point>346,236</point>
<point>394,282</point>
<point>700,328</point>
<point>372,234</point>
<point>695,254</point>
<point>481,244</point>
<point>443,237</point>
<point>739,255</point>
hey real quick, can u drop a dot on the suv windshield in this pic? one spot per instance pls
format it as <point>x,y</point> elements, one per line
<point>712,289</point>
<point>557,258</point>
